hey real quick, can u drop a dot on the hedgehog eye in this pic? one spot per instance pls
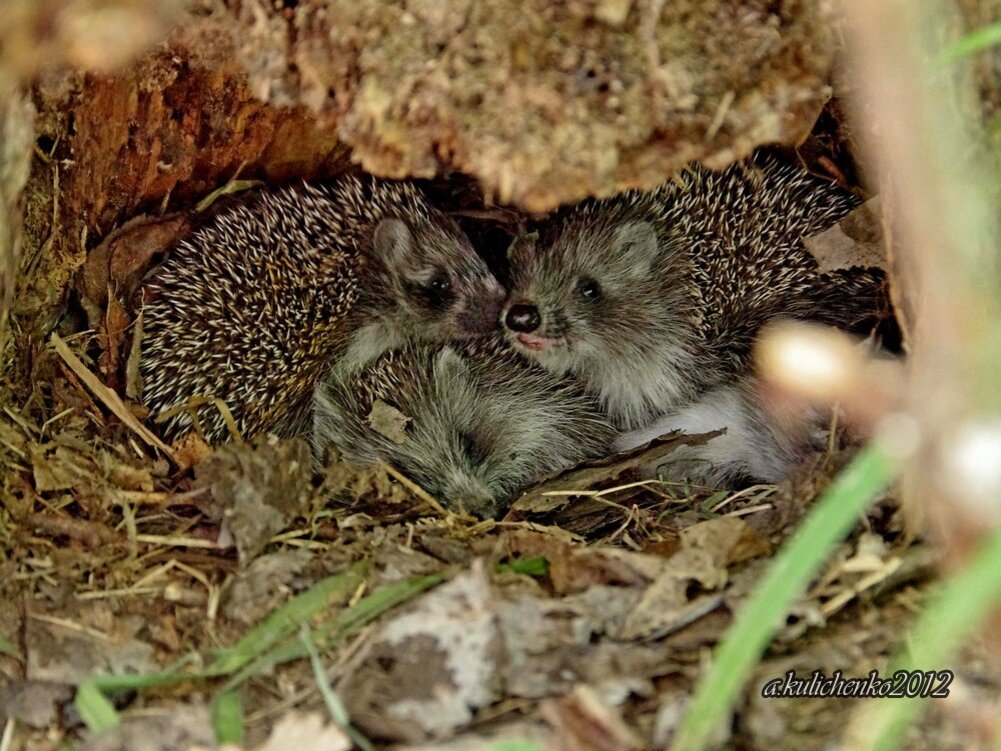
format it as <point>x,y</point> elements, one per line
<point>437,292</point>
<point>440,283</point>
<point>589,289</point>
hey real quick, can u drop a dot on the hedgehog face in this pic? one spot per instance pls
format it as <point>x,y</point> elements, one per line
<point>436,288</point>
<point>588,292</point>
<point>469,446</point>
<point>606,297</point>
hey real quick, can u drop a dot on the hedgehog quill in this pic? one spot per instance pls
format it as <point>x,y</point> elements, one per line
<point>254,307</point>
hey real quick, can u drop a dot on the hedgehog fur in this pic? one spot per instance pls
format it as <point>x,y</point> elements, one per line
<point>482,422</point>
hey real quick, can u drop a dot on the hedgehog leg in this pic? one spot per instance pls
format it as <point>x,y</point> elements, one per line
<point>749,449</point>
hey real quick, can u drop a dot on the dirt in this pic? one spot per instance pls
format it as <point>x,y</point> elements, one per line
<point>546,103</point>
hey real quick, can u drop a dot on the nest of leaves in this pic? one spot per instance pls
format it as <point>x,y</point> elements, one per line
<point>158,605</point>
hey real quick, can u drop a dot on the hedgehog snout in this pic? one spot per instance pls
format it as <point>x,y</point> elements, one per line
<point>523,318</point>
<point>462,490</point>
<point>481,314</point>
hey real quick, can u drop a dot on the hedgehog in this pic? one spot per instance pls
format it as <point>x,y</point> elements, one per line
<point>481,422</point>
<point>655,298</point>
<point>246,315</point>
<point>756,446</point>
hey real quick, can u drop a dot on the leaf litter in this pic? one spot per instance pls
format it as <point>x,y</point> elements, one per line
<point>574,622</point>
<point>232,594</point>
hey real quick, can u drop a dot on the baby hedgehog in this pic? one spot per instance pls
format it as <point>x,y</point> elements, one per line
<point>249,312</point>
<point>482,422</point>
<point>655,298</point>
<point>757,446</point>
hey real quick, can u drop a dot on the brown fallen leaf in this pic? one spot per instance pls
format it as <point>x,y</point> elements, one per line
<point>573,568</point>
<point>305,731</point>
<point>116,266</point>
<point>855,241</point>
<point>36,704</point>
<point>667,604</point>
<point>556,492</point>
<point>180,727</point>
<point>255,489</point>
<point>582,723</point>
<point>427,669</point>
<point>49,474</point>
<point>261,586</point>
<point>553,644</point>
<point>111,338</point>
<point>109,279</point>
<point>708,549</point>
<point>60,646</point>
<point>728,539</point>
<point>190,450</point>
<point>514,735</point>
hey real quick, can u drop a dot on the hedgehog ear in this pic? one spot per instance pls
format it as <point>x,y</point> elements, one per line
<point>450,363</point>
<point>636,243</point>
<point>392,241</point>
<point>524,243</point>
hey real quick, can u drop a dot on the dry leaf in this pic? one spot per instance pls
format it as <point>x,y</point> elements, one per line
<point>256,489</point>
<point>190,451</point>
<point>36,704</point>
<point>261,586</point>
<point>728,539</point>
<point>60,649</point>
<point>388,421</point>
<point>49,474</point>
<point>582,723</point>
<point>667,605</point>
<point>855,241</point>
<point>554,493</point>
<point>180,726</point>
<point>305,732</point>
<point>117,265</point>
<point>429,668</point>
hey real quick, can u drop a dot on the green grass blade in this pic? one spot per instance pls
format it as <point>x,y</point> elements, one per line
<point>136,681</point>
<point>788,576</point>
<point>97,713</point>
<point>284,621</point>
<point>976,41</point>
<point>333,703</point>
<point>7,647</point>
<point>346,623</point>
<point>276,626</point>
<point>227,717</point>
<point>335,707</point>
<point>353,619</point>
<point>946,621</point>
<point>534,566</point>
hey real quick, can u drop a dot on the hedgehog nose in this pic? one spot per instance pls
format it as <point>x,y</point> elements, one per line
<point>523,318</point>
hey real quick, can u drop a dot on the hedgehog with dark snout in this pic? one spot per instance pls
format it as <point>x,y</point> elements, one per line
<point>248,313</point>
<point>655,298</point>
<point>481,422</point>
